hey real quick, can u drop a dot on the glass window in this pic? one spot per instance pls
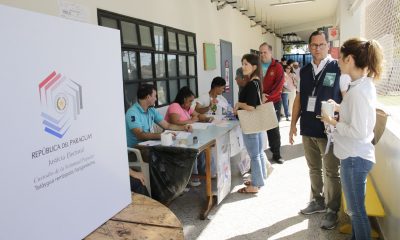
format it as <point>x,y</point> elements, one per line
<point>192,85</point>
<point>129,34</point>
<point>156,54</point>
<point>172,66</point>
<point>173,89</point>
<point>182,42</point>
<point>108,22</point>
<point>160,65</point>
<point>162,92</point>
<point>191,43</point>
<point>130,91</point>
<point>145,65</point>
<point>159,38</point>
<point>172,40</point>
<point>129,67</point>
<point>182,66</point>
<point>182,83</point>
<point>145,36</point>
<point>192,71</point>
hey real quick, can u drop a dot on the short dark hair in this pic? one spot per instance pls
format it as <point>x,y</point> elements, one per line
<point>283,59</point>
<point>239,73</point>
<point>318,32</point>
<point>145,90</point>
<point>218,82</point>
<point>183,93</point>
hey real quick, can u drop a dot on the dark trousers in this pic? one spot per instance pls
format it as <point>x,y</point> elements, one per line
<point>274,136</point>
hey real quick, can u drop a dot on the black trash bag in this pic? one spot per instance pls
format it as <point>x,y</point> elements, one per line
<point>170,171</point>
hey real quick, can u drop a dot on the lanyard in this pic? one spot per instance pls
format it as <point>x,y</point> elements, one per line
<point>316,81</point>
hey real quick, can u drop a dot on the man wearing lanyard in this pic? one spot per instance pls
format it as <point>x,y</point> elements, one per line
<point>141,117</point>
<point>319,81</point>
<point>273,80</point>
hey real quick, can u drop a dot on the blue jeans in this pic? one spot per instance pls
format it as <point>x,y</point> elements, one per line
<point>353,173</point>
<point>285,103</point>
<point>254,147</point>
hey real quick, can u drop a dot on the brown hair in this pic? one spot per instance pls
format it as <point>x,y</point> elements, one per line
<point>254,60</point>
<point>366,54</point>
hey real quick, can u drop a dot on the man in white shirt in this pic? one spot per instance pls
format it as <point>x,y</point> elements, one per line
<point>213,102</point>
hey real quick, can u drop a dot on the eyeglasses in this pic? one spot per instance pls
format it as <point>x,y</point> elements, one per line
<point>315,46</point>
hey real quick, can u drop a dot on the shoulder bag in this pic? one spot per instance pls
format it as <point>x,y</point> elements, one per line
<point>261,119</point>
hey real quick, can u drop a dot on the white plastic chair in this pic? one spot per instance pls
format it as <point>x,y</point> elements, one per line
<point>144,167</point>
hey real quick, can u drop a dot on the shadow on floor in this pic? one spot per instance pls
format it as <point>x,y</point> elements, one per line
<point>289,152</point>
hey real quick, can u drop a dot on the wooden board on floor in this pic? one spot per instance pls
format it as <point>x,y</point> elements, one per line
<point>144,218</point>
<point>148,211</point>
<point>116,230</point>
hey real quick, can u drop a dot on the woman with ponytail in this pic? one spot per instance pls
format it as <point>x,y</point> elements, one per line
<point>353,134</point>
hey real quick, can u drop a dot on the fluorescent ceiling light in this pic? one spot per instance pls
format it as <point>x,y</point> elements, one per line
<point>289,3</point>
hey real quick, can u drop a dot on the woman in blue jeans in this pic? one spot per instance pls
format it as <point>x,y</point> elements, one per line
<point>362,60</point>
<point>249,98</point>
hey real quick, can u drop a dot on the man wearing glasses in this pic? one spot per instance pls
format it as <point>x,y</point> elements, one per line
<point>319,81</point>
<point>273,80</point>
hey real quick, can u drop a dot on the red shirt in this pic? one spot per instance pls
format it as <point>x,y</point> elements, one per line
<point>273,82</point>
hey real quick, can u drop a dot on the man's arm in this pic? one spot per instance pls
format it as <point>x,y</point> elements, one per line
<point>201,109</point>
<point>279,80</point>
<point>143,136</point>
<point>295,117</point>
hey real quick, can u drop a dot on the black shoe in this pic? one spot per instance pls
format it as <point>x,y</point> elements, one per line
<point>279,160</point>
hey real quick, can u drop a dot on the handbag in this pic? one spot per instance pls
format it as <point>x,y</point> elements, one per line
<point>262,118</point>
<point>380,125</point>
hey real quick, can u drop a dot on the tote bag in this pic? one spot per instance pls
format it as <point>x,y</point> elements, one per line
<point>261,119</point>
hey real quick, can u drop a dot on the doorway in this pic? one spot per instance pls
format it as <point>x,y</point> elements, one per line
<point>226,69</point>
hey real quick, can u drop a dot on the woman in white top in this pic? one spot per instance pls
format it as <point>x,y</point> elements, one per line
<point>362,60</point>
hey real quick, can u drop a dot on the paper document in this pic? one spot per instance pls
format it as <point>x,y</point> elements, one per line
<point>150,143</point>
<point>200,125</point>
<point>179,134</point>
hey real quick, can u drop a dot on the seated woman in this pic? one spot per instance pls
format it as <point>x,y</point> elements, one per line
<point>181,112</point>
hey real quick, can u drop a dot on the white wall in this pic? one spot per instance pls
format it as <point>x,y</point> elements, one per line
<point>349,22</point>
<point>198,16</point>
<point>386,177</point>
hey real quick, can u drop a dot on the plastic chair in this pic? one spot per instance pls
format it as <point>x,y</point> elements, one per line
<point>144,167</point>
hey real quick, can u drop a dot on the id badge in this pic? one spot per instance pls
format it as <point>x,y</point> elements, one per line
<point>311,104</point>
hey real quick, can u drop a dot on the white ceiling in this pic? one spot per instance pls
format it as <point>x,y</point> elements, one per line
<point>301,18</point>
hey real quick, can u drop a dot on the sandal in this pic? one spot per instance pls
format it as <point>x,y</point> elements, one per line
<point>245,190</point>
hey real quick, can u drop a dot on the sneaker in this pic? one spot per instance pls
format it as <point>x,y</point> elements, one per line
<point>279,160</point>
<point>195,183</point>
<point>313,207</point>
<point>330,220</point>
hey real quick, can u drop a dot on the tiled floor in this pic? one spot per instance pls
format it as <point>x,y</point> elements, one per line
<point>271,214</point>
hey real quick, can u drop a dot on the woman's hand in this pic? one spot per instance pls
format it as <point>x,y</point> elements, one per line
<point>188,128</point>
<point>337,106</point>
<point>328,119</point>
<point>195,118</point>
